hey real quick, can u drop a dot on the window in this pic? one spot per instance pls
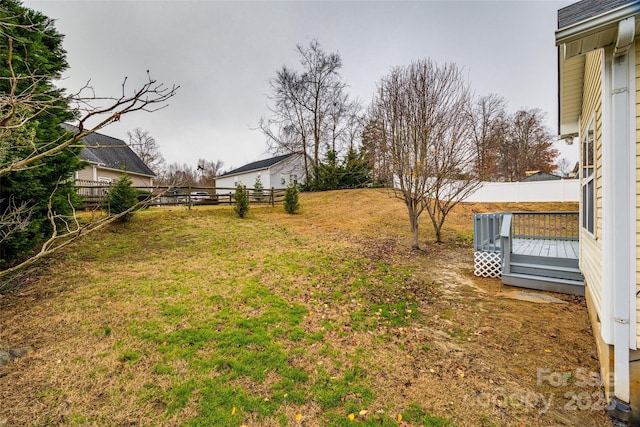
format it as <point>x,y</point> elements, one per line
<point>283,179</point>
<point>293,178</point>
<point>588,184</point>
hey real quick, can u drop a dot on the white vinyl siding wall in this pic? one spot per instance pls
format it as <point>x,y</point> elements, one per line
<point>293,165</point>
<point>637,189</point>
<point>591,244</point>
<point>248,179</point>
<point>270,177</point>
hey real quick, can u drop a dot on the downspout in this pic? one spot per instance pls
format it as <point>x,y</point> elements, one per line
<point>623,233</point>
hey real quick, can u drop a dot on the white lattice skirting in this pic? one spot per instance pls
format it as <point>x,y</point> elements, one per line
<point>487,264</point>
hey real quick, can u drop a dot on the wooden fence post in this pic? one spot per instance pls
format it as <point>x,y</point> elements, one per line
<point>273,202</point>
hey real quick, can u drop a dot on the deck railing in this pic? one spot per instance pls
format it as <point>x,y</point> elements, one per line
<point>545,225</point>
<point>486,232</point>
<point>494,234</point>
<point>524,225</point>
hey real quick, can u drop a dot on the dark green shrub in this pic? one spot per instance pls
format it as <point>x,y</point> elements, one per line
<point>258,189</point>
<point>291,204</point>
<point>122,196</point>
<point>241,198</point>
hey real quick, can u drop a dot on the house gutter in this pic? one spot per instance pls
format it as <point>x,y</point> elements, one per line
<point>596,24</point>
<point>102,166</point>
<point>583,29</point>
<point>623,180</point>
<point>247,171</point>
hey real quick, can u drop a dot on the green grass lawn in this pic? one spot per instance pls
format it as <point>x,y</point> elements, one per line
<point>324,318</point>
<point>201,318</point>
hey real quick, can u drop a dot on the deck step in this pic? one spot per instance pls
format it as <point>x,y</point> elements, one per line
<point>551,284</point>
<point>531,259</point>
<point>561,272</point>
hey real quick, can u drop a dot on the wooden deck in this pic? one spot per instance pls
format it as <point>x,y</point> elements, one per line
<point>537,250</point>
<point>546,248</point>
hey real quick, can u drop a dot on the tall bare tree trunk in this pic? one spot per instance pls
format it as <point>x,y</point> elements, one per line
<point>414,229</point>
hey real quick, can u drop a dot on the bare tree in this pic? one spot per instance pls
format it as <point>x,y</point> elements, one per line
<point>527,146</point>
<point>488,126</point>
<point>420,115</point>
<point>287,130</point>
<point>178,175</point>
<point>146,147</point>
<point>565,167</point>
<point>343,124</point>
<point>308,106</point>
<point>208,170</point>
<point>375,150</point>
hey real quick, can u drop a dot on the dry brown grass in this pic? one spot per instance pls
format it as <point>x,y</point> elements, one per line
<point>97,316</point>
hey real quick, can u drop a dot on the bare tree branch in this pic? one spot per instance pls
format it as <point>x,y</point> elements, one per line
<point>14,219</point>
<point>67,229</point>
<point>151,96</point>
<point>419,118</point>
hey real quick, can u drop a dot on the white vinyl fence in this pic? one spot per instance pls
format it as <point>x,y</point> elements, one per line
<point>566,190</point>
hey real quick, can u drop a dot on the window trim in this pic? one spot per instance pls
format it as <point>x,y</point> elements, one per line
<point>588,180</point>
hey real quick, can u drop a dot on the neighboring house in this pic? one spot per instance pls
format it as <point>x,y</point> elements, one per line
<point>276,172</point>
<point>534,176</point>
<point>109,158</point>
<point>599,84</point>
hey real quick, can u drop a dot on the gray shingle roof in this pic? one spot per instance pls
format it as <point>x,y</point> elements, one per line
<point>586,9</point>
<point>541,176</point>
<point>260,164</point>
<point>112,153</point>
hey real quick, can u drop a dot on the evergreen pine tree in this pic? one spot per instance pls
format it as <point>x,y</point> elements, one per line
<point>258,189</point>
<point>241,199</point>
<point>122,196</point>
<point>356,170</point>
<point>326,174</point>
<point>291,204</point>
<point>36,51</point>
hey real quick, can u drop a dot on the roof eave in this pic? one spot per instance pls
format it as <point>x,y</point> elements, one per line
<point>227,175</point>
<point>570,85</point>
<point>573,42</point>
<point>102,166</point>
<point>258,169</point>
<point>596,24</point>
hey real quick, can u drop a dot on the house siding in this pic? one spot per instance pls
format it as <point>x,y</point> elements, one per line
<point>293,165</point>
<point>637,100</point>
<point>225,184</point>
<point>85,174</point>
<point>591,245</point>
<point>270,177</point>
<point>137,180</point>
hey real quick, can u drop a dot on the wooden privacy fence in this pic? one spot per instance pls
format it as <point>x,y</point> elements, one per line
<point>94,193</point>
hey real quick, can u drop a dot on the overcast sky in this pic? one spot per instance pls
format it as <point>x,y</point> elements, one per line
<point>222,54</point>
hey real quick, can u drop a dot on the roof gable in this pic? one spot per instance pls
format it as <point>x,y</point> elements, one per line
<point>260,164</point>
<point>111,153</point>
